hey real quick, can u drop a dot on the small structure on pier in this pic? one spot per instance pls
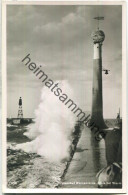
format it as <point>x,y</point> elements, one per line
<point>118,118</point>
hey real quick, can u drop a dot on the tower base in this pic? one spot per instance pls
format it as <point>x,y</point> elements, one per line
<point>99,121</point>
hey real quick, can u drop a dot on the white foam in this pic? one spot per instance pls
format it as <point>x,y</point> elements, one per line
<point>54,123</point>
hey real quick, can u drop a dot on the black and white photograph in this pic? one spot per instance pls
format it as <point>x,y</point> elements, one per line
<point>64,123</point>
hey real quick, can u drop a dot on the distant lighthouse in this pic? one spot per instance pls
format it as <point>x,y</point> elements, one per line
<point>97,102</point>
<point>20,111</point>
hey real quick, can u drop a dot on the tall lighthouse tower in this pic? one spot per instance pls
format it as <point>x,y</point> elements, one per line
<point>98,37</point>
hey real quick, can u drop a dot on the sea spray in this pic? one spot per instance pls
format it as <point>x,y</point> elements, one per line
<point>53,127</point>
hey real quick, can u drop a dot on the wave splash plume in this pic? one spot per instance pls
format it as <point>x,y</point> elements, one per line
<point>53,127</point>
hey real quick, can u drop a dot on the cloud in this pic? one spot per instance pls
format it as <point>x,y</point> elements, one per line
<point>58,37</point>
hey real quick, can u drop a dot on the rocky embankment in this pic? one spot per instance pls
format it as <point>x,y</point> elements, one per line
<point>76,137</point>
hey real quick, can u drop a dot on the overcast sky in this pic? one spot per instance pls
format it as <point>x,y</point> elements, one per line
<point>59,39</point>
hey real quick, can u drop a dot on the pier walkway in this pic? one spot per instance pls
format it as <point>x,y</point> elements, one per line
<point>88,159</point>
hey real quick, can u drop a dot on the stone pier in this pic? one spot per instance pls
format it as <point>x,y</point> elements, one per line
<point>88,159</point>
